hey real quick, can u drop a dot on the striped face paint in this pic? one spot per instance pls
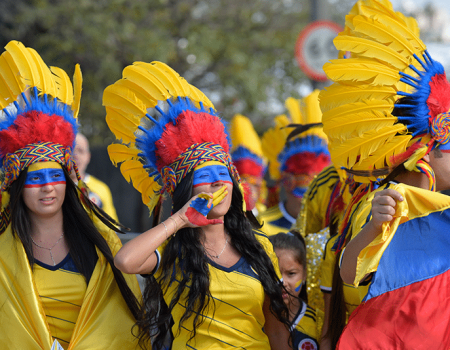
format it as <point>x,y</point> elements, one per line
<point>44,173</point>
<point>211,172</point>
<point>298,286</point>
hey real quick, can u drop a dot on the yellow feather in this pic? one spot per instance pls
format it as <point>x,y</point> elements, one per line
<point>293,107</point>
<point>383,34</point>
<point>24,62</point>
<point>180,83</point>
<point>122,124</point>
<point>311,108</point>
<point>150,193</point>
<point>354,125</point>
<point>6,95</point>
<point>383,156</point>
<point>347,153</point>
<point>10,73</point>
<point>200,97</point>
<point>77,86</point>
<point>132,169</point>
<point>140,93</point>
<point>64,86</point>
<point>360,70</point>
<point>120,97</point>
<point>370,49</point>
<point>243,134</point>
<point>46,81</point>
<point>172,85</point>
<point>120,153</point>
<point>337,95</point>
<point>140,76</point>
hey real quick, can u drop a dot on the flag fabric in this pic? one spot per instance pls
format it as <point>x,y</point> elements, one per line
<point>408,303</point>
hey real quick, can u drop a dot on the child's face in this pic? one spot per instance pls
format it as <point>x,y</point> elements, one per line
<point>293,274</point>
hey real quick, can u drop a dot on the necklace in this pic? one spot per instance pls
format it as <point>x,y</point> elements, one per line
<point>49,249</point>
<point>218,255</point>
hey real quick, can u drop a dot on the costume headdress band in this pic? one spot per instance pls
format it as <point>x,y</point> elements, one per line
<point>190,159</point>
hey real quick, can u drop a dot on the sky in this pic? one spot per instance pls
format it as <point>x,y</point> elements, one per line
<point>421,3</point>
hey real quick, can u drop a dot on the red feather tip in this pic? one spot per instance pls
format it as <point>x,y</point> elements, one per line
<point>249,167</point>
<point>306,163</point>
<point>190,128</point>
<point>33,127</point>
<point>439,99</point>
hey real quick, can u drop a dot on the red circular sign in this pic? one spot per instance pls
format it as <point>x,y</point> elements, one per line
<point>314,47</point>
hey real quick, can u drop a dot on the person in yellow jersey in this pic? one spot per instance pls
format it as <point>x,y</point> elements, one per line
<point>59,287</point>
<point>290,249</point>
<point>213,279</point>
<point>99,192</point>
<point>297,151</point>
<point>248,157</point>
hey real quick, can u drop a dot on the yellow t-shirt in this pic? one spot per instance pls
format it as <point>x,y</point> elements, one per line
<point>234,317</point>
<point>352,295</point>
<point>304,329</point>
<point>275,220</point>
<point>100,194</point>
<point>61,305</point>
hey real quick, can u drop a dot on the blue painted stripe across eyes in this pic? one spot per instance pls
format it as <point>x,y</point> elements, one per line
<point>43,177</point>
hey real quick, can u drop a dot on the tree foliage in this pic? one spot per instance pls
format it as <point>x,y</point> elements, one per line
<point>239,52</point>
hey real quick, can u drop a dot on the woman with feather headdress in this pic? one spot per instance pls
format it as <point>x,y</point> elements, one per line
<point>59,287</point>
<point>387,120</point>
<point>212,280</point>
<point>297,151</point>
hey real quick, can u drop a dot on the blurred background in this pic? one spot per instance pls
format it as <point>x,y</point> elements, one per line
<point>240,53</point>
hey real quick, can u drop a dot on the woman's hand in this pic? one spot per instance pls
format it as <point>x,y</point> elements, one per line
<point>383,207</point>
<point>195,212</point>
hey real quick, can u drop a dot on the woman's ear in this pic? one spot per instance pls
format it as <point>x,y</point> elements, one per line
<point>426,158</point>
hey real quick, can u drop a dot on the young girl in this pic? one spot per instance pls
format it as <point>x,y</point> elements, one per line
<point>290,249</point>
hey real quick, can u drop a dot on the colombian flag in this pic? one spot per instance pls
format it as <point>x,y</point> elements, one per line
<point>408,303</point>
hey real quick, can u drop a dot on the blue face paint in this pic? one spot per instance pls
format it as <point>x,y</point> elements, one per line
<point>298,286</point>
<point>299,192</point>
<point>43,177</point>
<point>210,174</point>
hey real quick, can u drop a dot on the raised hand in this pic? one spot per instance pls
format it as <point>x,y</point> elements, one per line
<point>383,206</point>
<point>199,207</point>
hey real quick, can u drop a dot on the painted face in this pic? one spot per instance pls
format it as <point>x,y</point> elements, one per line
<point>209,174</point>
<point>208,178</point>
<point>293,274</point>
<point>45,189</point>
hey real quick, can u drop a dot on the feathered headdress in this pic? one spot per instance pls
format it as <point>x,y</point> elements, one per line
<point>246,150</point>
<point>187,132</point>
<point>297,145</point>
<point>38,120</point>
<point>388,61</point>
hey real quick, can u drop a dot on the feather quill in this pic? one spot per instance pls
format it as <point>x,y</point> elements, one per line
<point>293,107</point>
<point>371,49</point>
<point>46,82</point>
<point>347,153</point>
<point>172,85</point>
<point>122,124</point>
<point>24,61</point>
<point>10,73</point>
<point>140,93</point>
<point>77,86</point>
<point>120,153</point>
<point>64,86</point>
<point>140,76</point>
<point>382,157</point>
<point>179,82</point>
<point>201,97</point>
<point>121,98</point>
<point>337,95</point>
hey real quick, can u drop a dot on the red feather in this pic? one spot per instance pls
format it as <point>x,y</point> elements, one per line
<point>307,163</point>
<point>191,128</point>
<point>248,167</point>
<point>439,99</point>
<point>32,127</point>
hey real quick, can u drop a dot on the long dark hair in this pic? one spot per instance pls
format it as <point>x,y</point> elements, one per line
<point>79,231</point>
<point>185,252</point>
